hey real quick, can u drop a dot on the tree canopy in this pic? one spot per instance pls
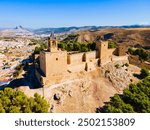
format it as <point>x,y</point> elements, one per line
<point>111,44</point>
<point>143,55</point>
<point>135,98</point>
<point>144,73</point>
<point>42,44</point>
<point>76,46</point>
<point>15,101</point>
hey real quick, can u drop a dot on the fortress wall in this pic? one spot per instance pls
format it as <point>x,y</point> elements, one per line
<point>107,56</point>
<point>90,55</point>
<point>75,58</point>
<point>77,67</point>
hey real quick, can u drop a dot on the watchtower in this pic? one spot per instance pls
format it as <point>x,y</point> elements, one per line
<point>102,49</point>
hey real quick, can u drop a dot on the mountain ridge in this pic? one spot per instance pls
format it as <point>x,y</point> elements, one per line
<point>22,31</point>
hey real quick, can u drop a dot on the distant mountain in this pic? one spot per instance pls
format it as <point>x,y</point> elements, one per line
<point>19,27</point>
<point>62,29</point>
<point>17,31</point>
<point>44,32</point>
<point>74,29</point>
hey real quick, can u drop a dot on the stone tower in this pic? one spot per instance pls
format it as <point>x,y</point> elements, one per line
<point>52,43</point>
<point>102,49</point>
<point>53,61</point>
<point>103,53</point>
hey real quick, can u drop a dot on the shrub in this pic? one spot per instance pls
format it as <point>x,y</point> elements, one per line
<point>143,55</point>
<point>126,64</point>
<point>18,70</point>
<point>117,66</point>
<point>111,44</point>
<point>12,101</point>
<point>144,73</point>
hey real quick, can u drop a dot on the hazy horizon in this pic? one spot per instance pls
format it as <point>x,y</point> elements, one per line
<point>73,26</point>
<point>68,13</point>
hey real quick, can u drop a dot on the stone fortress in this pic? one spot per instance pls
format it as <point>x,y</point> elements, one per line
<point>54,62</point>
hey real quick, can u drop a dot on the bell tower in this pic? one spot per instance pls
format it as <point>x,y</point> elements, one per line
<point>52,43</point>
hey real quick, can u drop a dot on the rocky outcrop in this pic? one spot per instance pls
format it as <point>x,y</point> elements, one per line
<point>119,74</point>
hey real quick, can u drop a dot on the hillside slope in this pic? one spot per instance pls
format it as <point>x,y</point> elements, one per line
<point>130,37</point>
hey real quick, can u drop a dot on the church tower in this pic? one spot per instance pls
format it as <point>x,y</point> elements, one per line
<point>52,43</point>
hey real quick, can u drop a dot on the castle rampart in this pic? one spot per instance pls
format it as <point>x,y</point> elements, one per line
<point>54,62</point>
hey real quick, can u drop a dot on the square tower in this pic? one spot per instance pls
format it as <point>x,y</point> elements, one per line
<point>103,53</point>
<point>103,50</point>
<point>53,61</point>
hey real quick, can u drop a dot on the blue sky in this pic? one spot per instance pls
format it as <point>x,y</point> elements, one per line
<point>60,13</point>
